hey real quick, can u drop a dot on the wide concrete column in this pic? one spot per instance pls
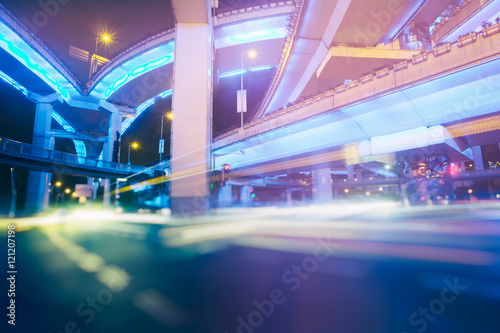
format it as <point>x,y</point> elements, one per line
<point>246,196</point>
<point>115,127</point>
<point>322,185</point>
<point>191,108</point>
<point>477,155</point>
<point>37,197</point>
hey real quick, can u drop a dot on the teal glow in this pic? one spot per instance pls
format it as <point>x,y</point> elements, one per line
<point>13,83</point>
<point>128,121</point>
<point>258,35</point>
<point>8,45</point>
<point>239,71</point>
<point>153,64</point>
<point>127,77</point>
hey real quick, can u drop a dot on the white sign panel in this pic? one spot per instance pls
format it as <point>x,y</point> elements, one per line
<point>242,101</point>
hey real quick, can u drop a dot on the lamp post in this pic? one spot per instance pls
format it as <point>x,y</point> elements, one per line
<point>105,38</point>
<point>161,148</point>
<point>242,100</point>
<point>162,143</point>
<point>134,145</point>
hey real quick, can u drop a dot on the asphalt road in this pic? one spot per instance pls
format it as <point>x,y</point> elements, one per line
<point>365,268</point>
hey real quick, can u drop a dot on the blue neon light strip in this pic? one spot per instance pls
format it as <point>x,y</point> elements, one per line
<point>239,71</point>
<point>136,72</point>
<point>127,122</point>
<point>255,36</point>
<point>13,83</point>
<point>19,54</point>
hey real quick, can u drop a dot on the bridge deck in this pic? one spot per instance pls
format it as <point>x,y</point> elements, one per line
<point>14,153</point>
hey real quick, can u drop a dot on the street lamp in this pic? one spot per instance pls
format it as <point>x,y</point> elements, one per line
<point>134,145</point>
<point>242,101</point>
<point>161,148</point>
<point>162,142</point>
<point>105,38</point>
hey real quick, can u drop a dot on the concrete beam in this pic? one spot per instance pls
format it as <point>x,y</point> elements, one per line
<point>75,136</point>
<point>371,52</point>
<point>191,11</point>
<point>337,53</point>
<point>418,138</point>
<point>47,99</point>
<point>122,109</point>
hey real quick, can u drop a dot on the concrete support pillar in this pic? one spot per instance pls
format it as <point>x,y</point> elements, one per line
<point>350,172</point>
<point>225,196</point>
<point>115,127</point>
<point>246,196</point>
<point>322,185</point>
<point>416,36</point>
<point>289,200</point>
<point>191,123</point>
<point>477,155</point>
<point>37,197</point>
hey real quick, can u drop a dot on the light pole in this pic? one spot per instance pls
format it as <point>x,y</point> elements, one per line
<point>162,143</point>
<point>105,38</point>
<point>134,145</point>
<point>242,99</point>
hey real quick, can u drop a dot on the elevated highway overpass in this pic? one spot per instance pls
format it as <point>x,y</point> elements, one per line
<point>349,77</point>
<point>414,103</point>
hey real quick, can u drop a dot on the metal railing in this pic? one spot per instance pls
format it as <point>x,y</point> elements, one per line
<point>16,148</point>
